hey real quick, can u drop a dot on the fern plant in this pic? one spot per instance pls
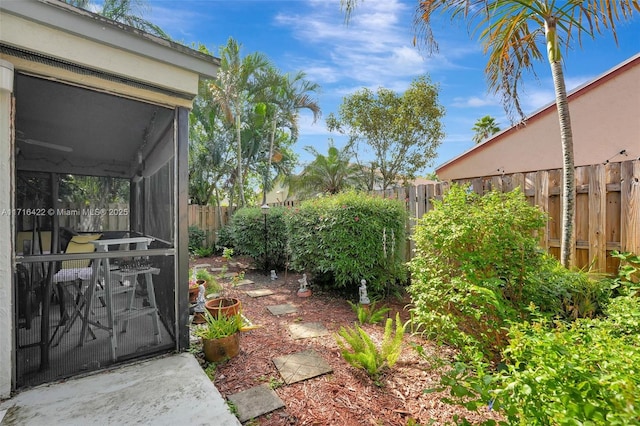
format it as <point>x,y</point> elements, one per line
<point>359,349</point>
<point>369,314</point>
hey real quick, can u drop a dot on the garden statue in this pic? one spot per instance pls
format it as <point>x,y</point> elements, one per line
<point>199,306</point>
<point>304,290</point>
<point>273,275</point>
<point>364,299</point>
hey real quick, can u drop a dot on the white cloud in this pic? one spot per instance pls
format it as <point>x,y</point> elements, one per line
<point>475,101</point>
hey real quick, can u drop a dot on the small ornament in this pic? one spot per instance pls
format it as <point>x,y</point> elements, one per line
<point>273,275</point>
<point>364,299</point>
<point>304,290</point>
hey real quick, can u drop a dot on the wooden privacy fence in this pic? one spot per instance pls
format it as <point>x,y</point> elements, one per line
<point>607,208</point>
<point>206,219</point>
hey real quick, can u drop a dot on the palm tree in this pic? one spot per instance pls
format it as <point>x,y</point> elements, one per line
<point>284,95</point>
<point>512,33</point>
<point>484,128</point>
<point>124,11</point>
<point>232,90</point>
<point>328,174</point>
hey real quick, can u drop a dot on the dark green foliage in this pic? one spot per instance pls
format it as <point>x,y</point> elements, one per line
<point>348,237</point>
<point>225,238</point>
<point>359,350</point>
<point>249,236</point>
<point>197,238</point>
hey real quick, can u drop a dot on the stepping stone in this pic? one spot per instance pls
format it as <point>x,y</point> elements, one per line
<point>217,269</point>
<point>307,330</point>
<point>244,282</point>
<point>282,309</point>
<point>201,265</point>
<point>227,275</point>
<point>259,293</point>
<point>301,366</point>
<point>255,402</point>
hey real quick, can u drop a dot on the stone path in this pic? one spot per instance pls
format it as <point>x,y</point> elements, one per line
<point>259,400</point>
<point>286,308</point>
<point>255,402</point>
<point>307,330</point>
<point>259,293</point>
<point>301,366</point>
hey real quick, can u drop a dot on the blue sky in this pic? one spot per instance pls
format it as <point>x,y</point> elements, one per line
<point>376,50</point>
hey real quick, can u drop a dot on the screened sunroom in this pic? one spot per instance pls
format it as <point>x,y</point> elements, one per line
<point>97,134</point>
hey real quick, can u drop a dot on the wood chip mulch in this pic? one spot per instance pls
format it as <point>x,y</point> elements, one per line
<point>347,396</point>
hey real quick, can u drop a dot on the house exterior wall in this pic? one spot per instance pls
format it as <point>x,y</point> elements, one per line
<point>604,118</point>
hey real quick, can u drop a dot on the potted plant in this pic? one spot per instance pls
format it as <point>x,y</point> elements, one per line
<point>223,306</point>
<point>220,336</point>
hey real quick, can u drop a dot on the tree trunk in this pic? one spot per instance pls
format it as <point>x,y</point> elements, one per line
<point>240,183</point>
<point>568,170</point>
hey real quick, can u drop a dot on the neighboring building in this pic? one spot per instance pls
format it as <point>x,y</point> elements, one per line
<point>605,122</point>
<point>81,94</point>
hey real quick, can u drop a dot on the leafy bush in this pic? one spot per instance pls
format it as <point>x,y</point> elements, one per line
<point>370,314</point>
<point>359,350</point>
<point>249,235</point>
<point>473,259</point>
<point>348,237</point>
<point>586,371</point>
<point>562,373</point>
<point>197,238</point>
<point>225,238</point>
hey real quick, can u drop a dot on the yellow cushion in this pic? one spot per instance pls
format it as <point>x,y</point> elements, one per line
<point>85,238</point>
<point>78,247</point>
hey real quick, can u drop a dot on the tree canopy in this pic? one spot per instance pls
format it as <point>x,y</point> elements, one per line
<point>394,135</point>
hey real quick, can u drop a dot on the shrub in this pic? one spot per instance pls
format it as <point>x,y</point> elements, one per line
<point>225,238</point>
<point>347,237</point>
<point>359,350</point>
<point>473,259</point>
<point>197,238</point>
<point>562,374</point>
<point>249,236</point>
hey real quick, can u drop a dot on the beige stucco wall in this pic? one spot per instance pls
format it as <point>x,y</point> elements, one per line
<point>605,118</point>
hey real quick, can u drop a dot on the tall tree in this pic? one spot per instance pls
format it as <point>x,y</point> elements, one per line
<point>402,132</point>
<point>283,96</point>
<point>513,33</point>
<point>484,128</point>
<point>232,90</point>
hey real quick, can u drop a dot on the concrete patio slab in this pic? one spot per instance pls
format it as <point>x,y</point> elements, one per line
<point>255,402</point>
<point>307,330</point>
<point>286,308</point>
<point>260,292</point>
<point>301,366</point>
<point>171,390</point>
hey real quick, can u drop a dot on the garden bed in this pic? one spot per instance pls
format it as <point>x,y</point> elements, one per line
<point>347,396</point>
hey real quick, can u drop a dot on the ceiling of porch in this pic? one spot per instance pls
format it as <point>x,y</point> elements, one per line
<point>73,130</point>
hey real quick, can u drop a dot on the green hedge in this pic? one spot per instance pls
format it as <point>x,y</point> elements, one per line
<point>249,235</point>
<point>344,238</point>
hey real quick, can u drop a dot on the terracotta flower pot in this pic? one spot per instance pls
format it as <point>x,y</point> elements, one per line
<point>216,350</point>
<point>193,294</point>
<point>226,306</point>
